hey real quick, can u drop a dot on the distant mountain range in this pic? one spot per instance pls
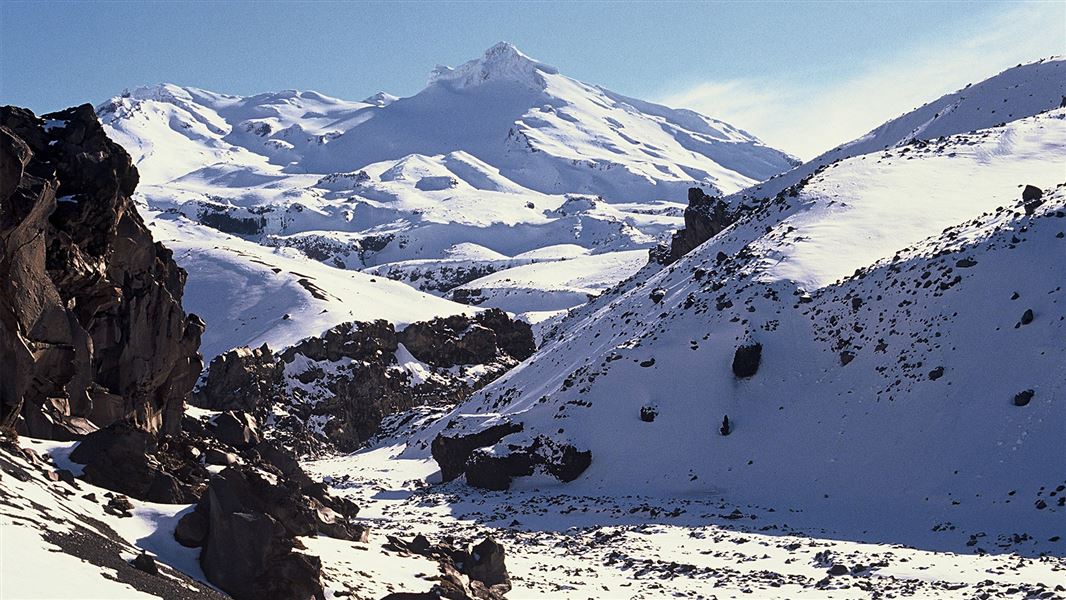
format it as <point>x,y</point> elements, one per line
<point>503,183</point>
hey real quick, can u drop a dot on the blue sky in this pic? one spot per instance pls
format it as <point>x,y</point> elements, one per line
<point>776,69</point>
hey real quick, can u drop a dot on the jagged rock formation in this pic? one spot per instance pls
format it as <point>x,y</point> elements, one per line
<point>92,329</point>
<point>247,516</point>
<point>94,344</point>
<point>240,379</point>
<point>705,217</point>
<point>337,387</point>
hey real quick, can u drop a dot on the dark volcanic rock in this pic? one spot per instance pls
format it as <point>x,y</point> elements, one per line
<point>746,360</point>
<point>1023,398</point>
<point>235,428</point>
<point>467,454</point>
<point>350,375</point>
<point>462,340</point>
<point>705,217</point>
<point>91,325</point>
<point>191,530</point>
<point>123,458</point>
<point>360,341</point>
<point>487,565</point>
<point>452,453</point>
<point>648,414</point>
<point>251,521</point>
<point>1032,198</point>
<point>241,379</point>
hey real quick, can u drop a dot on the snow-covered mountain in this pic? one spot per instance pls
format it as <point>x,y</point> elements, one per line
<point>499,163</point>
<point>885,339</point>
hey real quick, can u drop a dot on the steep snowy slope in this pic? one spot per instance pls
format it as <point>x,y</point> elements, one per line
<point>1018,92</point>
<point>886,341</point>
<point>490,166</point>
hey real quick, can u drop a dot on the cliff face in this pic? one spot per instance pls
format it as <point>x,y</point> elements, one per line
<point>91,325</point>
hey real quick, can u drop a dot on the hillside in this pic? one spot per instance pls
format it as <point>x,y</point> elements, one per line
<point>906,308</point>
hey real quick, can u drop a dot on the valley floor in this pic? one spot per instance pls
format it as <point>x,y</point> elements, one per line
<point>566,546</point>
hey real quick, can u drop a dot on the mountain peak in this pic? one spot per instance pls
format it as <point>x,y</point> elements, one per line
<point>381,99</point>
<point>501,62</point>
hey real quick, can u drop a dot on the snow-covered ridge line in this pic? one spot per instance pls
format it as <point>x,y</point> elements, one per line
<point>1020,91</point>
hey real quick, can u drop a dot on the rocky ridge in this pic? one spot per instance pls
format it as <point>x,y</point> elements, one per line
<point>333,390</point>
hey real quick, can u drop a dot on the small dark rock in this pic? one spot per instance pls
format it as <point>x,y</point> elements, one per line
<point>143,562</point>
<point>191,530</point>
<point>1023,398</point>
<point>487,565</point>
<point>837,570</point>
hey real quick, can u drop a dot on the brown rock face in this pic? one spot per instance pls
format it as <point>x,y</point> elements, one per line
<point>91,325</point>
<point>705,217</point>
<point>241,379</point>
<point>461,340</point>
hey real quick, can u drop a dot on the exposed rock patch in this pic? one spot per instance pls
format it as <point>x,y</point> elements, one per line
<point>335,389</point>
<point>705,217</point>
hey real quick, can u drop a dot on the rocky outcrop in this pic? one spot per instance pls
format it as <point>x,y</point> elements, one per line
<point>462,340</point>
<point>476,572</point>
<point>91,325</point>
<point>336,388</point>
<point>249,523</point>
<point>241,379</point>
<point>705,217</point>
<point>489,462</point>
<point>129,460</point>
<point>453,451</point>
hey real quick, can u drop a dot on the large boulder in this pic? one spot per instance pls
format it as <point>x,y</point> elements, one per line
<point>490,462</point>
<point>486,565</point>
<point>746,360</point>
<point>235,428</point>
<point>248,521</point>
<point>125,458</point>
<point>249,553</point>
<point>91,325</point>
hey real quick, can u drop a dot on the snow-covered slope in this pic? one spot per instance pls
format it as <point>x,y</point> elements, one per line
<point>491,166</point>
<point>1018,92</point>
<point>905,304</point>
<point>250,295</point>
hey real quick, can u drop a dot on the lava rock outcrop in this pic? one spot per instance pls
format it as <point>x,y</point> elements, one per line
<point>92,329</point>
<point>335,389</point>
